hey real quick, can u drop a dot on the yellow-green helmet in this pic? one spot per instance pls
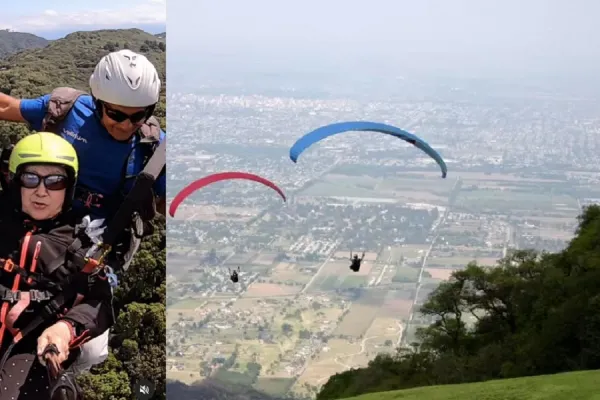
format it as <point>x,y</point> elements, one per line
<point>43,148</point>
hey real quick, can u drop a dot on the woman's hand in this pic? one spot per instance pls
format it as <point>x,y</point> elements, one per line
<point>60,335</point>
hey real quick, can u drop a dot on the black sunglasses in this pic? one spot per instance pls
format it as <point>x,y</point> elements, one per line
<point>120,116</point>
<point>29,180</point>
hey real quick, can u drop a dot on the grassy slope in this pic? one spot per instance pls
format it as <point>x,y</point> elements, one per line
<point>584,385</point>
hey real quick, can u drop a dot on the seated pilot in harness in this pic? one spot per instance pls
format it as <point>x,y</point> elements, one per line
<point>355,266</point>
<point>51,304</point>
<point>233,275</point>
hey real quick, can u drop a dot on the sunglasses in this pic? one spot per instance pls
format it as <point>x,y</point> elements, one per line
<point>120,116</point>
<point>29,180</point>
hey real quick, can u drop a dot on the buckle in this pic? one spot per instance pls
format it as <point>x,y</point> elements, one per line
<point>113,280</point>
<point>36,295</point>
<point>12,297</point>
<point>9,265</point>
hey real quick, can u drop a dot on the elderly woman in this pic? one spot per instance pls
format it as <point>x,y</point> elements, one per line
<point>37,228</point>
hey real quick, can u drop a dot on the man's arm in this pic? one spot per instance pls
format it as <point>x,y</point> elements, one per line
<point>10,109</point>
<point>31,111</point>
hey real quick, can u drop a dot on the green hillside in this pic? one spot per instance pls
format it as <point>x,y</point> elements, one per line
<point>583,385</point>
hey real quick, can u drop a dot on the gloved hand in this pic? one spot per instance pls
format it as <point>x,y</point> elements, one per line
<point>60,335</point>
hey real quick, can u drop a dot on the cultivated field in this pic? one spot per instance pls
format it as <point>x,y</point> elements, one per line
<point>211,213</point>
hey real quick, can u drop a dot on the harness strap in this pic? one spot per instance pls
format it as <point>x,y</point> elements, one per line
<point>140,190</point>
<point>15,286</point>
<point>36,296</point>
<point>16,310</point>
<point>32,277</point>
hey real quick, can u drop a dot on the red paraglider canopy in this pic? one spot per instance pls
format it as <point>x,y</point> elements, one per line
<point>207,180</point>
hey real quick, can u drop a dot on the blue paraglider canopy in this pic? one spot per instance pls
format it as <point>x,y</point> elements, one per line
<point>329,130</point>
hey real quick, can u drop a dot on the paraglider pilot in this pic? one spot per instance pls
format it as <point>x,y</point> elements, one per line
<point>355,266</point>
<point>234,275</point>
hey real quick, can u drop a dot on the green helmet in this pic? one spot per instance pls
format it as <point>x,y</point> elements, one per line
<point>44,148</point>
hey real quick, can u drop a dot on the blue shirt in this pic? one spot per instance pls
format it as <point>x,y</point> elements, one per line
<point>101,158</point>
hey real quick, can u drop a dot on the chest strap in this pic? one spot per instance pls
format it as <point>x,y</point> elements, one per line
<point>14,296</point>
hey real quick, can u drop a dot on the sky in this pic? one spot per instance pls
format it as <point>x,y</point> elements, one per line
<point>516,37</point>
<point>53,19</point>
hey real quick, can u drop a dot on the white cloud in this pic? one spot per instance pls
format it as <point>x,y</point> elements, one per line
<point>146,12</point>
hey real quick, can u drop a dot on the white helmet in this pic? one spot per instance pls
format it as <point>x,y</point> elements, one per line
<point>127,79</point>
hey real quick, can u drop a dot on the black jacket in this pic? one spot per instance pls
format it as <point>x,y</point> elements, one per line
<point>94,314</point>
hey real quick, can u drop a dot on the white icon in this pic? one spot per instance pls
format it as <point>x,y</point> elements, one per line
<point>144,389</point>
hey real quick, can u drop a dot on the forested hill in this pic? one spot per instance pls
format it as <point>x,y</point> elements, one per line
<point>13,42</point>
<point>535,314</point>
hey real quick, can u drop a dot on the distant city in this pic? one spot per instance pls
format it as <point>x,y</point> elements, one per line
<point>521,165</point>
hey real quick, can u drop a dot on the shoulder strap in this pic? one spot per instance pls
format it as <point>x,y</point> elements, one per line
<point>61,101</point>
<point>149,139</point>
<point>150,131</point>
<point>136,196</point>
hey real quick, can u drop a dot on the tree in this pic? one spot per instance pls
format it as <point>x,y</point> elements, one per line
<point>534,313</point>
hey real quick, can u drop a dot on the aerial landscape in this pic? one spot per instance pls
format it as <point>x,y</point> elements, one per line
<point>477,282</point>
<point>298,314</point>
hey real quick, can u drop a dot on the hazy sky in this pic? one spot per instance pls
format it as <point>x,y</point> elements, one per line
<point>54,18</point>
<point>492,35</point>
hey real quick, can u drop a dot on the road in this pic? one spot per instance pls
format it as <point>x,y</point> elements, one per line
<point>404,333</point>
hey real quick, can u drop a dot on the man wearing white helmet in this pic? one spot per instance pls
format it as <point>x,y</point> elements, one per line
<point>105,128</point>
<point>125,89</point>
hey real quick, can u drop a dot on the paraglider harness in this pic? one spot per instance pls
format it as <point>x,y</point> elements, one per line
<point>355,266</point>
<point>94,265</point>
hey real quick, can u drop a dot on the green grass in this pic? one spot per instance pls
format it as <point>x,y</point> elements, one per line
<point>584,385</point>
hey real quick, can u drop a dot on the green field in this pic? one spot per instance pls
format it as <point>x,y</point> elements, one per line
<point>233,377</point>
<point>406,274</point>
<point>274,386</point>
<point>332,282</point>
<point>485,199</point>
<point>583,385</point>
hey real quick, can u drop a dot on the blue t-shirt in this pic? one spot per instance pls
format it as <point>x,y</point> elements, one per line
<point>101,158</point>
